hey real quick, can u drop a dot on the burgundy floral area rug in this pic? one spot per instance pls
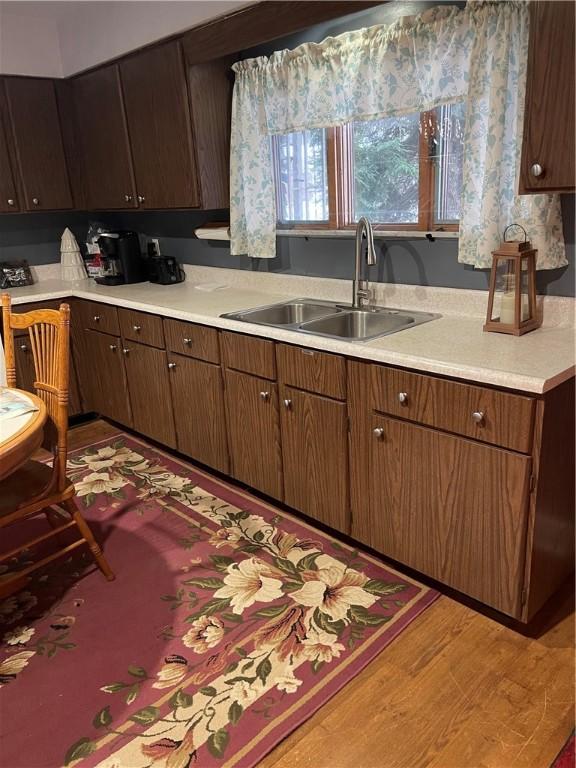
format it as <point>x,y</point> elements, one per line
<point>229,623</point>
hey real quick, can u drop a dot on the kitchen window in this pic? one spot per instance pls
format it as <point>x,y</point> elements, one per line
<point>401,172</point>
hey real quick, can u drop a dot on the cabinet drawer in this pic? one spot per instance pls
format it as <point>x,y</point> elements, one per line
<point>248,353</point>
<point>99,317</point>
<point>507,419</point>
<point>193,340</point>
<point>309,369</point>
<point>139,326</point>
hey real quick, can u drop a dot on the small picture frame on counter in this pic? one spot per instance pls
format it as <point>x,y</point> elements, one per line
<point>15,274</point>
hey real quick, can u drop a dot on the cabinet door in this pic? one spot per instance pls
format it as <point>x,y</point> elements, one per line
<point>101,374</point>
<point>549,119</point>
<point>254,432</point>
<point>198,401</point>
<point>8,196</point>
<point>156,98</point>
<point>103,139</point>
<point>451,508</point>
<point>38,139</point>
<point>315,456</point>
<point>149,387</point>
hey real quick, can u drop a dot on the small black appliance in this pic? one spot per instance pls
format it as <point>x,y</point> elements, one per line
<point>121,257</point>
<point>164,270</point>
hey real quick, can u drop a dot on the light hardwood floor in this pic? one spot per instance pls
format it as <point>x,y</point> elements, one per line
<point>456,690</point>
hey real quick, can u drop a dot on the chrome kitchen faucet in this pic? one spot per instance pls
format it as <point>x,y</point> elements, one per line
<point>360,292</point>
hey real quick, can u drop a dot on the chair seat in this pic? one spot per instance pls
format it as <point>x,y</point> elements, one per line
<point>28,481</point>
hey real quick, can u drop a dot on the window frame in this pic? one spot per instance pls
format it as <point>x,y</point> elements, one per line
<point>340,175</point>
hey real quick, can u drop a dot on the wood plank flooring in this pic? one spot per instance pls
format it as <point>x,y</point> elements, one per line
<point>456,690</point>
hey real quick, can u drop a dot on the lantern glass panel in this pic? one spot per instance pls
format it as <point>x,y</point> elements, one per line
<point>503,307</point>
<point>525,312</point>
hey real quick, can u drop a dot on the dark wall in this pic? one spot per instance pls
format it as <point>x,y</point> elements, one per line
<point>36,237</point>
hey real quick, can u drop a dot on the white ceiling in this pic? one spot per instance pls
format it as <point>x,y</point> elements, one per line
<point>57,39</point>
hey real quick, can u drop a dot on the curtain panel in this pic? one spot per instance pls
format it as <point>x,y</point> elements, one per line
<point>477,55</point>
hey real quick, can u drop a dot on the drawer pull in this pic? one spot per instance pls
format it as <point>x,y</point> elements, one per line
<point>113,347</point>
<point>536,170</point>
<point>11,201</point>
<point>187,341</point>
<point>35,201</point>
<point>96,318</point>
<point>403,397</point>
<point>128,198</point>
<point>23,347</point>
<point>478,417</point>
<point>287,404</point>
<point>141,198</point>
<point>378,433</point>
<point>125,350</point>
<point>171,365</point>
<point>265,396</point>
<point>137,328</point>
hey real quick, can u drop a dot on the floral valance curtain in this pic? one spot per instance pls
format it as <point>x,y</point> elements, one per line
<point>477,55</point>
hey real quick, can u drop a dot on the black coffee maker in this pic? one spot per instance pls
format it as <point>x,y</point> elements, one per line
<point>122,260</point>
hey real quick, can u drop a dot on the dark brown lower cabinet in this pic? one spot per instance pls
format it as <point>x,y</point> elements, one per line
<point>315,454</point>
<point>198,402</point>
<point>254,432</point>
<point>149,387</point>
<point>451,508</point>
<point>100,367</point>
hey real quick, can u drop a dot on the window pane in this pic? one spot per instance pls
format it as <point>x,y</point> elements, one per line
<point>386,169</point>
<point>301,176</point>
<point>448,150</point>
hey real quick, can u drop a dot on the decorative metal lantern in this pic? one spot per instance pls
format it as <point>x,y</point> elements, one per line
<point>512,296</point>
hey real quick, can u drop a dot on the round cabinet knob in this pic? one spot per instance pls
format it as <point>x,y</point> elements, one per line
<point>287,404</point>
<point>403,397</point>
<point>128,198</point>
<point>378,433</point>
<point>125,351</point>
<point>537,170</point>
<point>10,201</point>
<point>113,347</point>
<point>171,365</point>
<point>137,328</point>
<point>264,396</point>
<point>23,347</point>
<point>141,198</point>
<point>187,341</point>
<point>478,417</point>
<point>35,200</point>
<point>96,318</point>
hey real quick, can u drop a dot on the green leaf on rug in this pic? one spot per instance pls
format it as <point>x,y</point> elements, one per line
<point>317,665</point>
<point>137,671</point>
<point>103,718</point>
<point>217,742</point>
<point>378,587</point>
<point>323,621</point>
<point>221,562</point>
<point>272,611</point>
<point>208,690</point>
<point>241,652</point>
<point>309,562</point>
<point>235,712</point>
<point>132,693</point>
<point>291,586</point>
<point>263,669</point>
<point>286,565</point>
<point>82,748</point>
<point>114,687</point>
<point>236,618</point>
<point>180,699</point>
<point>145,716</point>
<point>209,583</point>
<point>360,615</point>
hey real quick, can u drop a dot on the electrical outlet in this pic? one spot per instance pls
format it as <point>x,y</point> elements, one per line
<point>156,245</point>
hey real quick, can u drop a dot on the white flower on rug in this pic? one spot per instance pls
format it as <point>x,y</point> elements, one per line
<point>333,590</point>
<point>99,482</point>
<point>321,646</point>
<point>225,537</point>
<point>107,457</point>
<point>170,674</point>
<point>249,582</point>
<point>288,682</point>
<point>13,665</point>
<point>18,635</point>
<point>206,632</point>
<point>173,482</point>
<point>243,692</point>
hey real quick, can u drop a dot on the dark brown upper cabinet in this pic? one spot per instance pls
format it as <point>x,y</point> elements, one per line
<point>103,141</point>
<point>157,109</point>
<point>8,194</point>
<point>39,157</point>
<point>548,142</point>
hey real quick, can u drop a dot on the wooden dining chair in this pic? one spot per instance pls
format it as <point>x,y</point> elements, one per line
<point>36,487</point>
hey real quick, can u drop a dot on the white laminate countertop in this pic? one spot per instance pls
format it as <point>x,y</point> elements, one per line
<point>453,345</point>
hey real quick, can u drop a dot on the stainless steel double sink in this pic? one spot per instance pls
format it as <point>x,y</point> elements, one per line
<point>333,320</point>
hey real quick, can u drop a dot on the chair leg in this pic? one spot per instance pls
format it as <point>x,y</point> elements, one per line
<point>71,507</point>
